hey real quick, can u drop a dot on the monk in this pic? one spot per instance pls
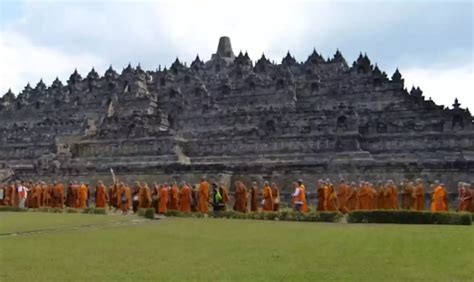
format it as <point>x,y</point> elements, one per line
<point>113,195</point>
<point>408,195</point>
<point>439,201</point>
<point>254,192</point>
<point>163,199</point>
<point>174,197</point>
<point>144,196</point>
<point>185,198</point>
<point>372,196</point>
<point>276,197</point>
<point>305,207</point>
<point>267,202</point>
<point>225,195</point>
<point>240,195</point>
<point>101,197</point>
<point>46,194</point>
<point>393,195</point>
<point>342,193</point>
<point>203,206</point>
<point>321,195</point>
<point>352,199</point>
<point>70,196</point>
<point>124,197</point>
<point>83,191</point>
<point>332,202</point>
<point>58,194</point>
<point>419,194</point>
<point>387,197</point>
<point>364,197</point>
<point>465,198</point>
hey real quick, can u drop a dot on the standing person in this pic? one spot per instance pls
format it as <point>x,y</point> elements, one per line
<point>203,196</point>
<point>303,190</point>
<point>136,197</point>
<point>393,195</point>
<point>224,193</point>
<point>163,199</point>
<point>267,202</point>
<point>46,194</point>
<point>352,203</point>
<point>321,195</point>
<point>297,197</point>
<point>83,196</point>
<point>465,200</point>
<point>332,202</point>
<point>124,197</point>
<point>364,196</point>
<point>440,198</point>
<point>185,198</point>
<point>342,194</point>
<point>419,195</point>
<point>217,198</point>
<point>101,197</point>
<point>22,194</point>
<point>254,192</point>
<point>155,196</point>
<point>276,197</point>
<point>174,197</point>
<point>240,195</point>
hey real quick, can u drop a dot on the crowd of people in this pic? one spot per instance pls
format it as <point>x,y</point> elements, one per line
<point>343,197</point>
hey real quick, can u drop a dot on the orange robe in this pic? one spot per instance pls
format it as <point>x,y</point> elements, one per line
<point>322,193</point>
<point>387,198</point>
<point>82,196</point>
<point>47,195</point>
<point>144,197</point>
<point>419,197</point>
<point>163,200</point>
<point>58,195</point>
<point>342,197</point>
<point>267,199</point>
<point>204,197</point>
<point>254,191</point>
<point>364,198</point>
<point>394,197</point>
<point>174,198</point>
<point>101,198</point>
<point>466,201</point>
<point>408,197</point>
<point>303,197</point>
<point>332,203</point>
<point>439,200</point>
<point>380,198</point>
<point>240,195</point>
<point>276,198</point>
<point>124,206</point>
<point>185,199</point>
<point>352,200</point>
<point>373,198</point>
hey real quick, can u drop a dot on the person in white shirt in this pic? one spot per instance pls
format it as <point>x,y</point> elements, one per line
<point>22,194</point>
<point>298,197</point>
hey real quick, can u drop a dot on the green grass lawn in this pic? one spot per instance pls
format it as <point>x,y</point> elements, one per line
<point>178,249</point>
<point>11,222</point>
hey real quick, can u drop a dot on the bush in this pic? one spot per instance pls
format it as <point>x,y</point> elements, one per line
<point>72,210</point>
<point>12,209</point>
<point>147,213</point>
<point>409,217</point>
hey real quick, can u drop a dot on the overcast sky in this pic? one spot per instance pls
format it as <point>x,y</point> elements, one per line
<point>431,42</point>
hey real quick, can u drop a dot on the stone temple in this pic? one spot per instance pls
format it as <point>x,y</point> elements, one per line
<point>231,118</point>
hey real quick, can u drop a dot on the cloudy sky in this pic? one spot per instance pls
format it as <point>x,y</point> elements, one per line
<point>431,42</point>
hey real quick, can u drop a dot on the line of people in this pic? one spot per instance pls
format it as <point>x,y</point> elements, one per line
<point>343,197</point>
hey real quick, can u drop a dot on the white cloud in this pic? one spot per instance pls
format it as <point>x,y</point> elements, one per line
<point>24,62</point>
<point>444,85</point>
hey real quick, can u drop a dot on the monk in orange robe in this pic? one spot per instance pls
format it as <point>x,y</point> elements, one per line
<point>58,192</point>
<point>174,197</point>
<point>101,197</point>
<point>240,195</point>
<point>144,196</point>
<point>163,199</point>
<point>465,198</point>
<point>305,207</point>
<point>185,198</point>
<point>372,196</point>
<point>387,197</point>
<point>364,197</point>
<point>267,197</point>
<point>321,195</point>
<point>419,195</point>
<point>394,195</point>
<point>332,202</point>
<point>203,206</point>
<point>352,199</point>
<point>46,195</point>
<point>83,196</point>
<point>408,196</point>
<point>124,197</point>
<point>342,194</point>
<point>36,194</point>
<point>439,199</point>
<point>276,197</point>
<point>254,192</point>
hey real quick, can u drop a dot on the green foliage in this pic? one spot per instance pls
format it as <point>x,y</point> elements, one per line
<point>147,213</point>
<point>11,209</point>
<point>409,217</point>
<point>283,216</point>
<point>91,210</point>
<point>72,210</point>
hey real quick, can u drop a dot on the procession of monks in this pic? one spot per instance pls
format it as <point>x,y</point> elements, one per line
<point>343,197</point>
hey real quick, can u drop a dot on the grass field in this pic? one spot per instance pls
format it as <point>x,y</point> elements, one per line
<point>178,249</point>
